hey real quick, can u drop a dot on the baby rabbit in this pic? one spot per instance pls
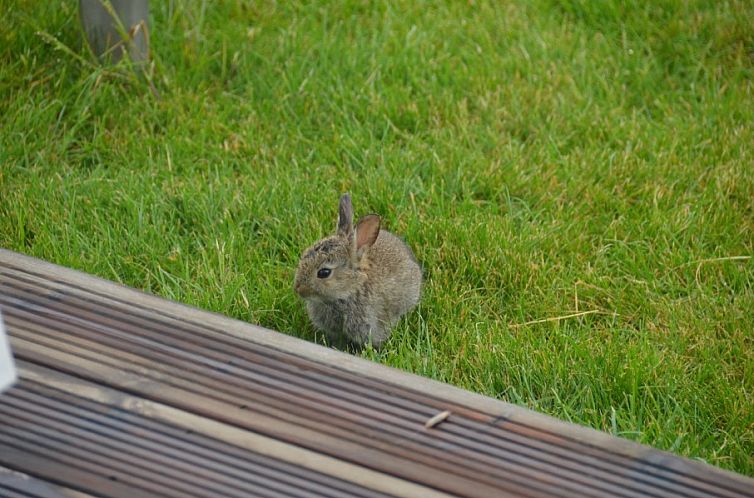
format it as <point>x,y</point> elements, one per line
<point>360,281</point>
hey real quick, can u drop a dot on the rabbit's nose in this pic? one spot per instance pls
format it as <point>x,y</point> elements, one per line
<point>302,290</point>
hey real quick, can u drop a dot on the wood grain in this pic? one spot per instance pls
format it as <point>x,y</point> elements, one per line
<point>17,484</point>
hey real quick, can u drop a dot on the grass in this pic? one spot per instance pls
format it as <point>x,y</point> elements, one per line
<point>576,178</point>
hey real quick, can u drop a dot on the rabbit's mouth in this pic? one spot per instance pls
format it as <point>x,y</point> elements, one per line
<point>304,291</point>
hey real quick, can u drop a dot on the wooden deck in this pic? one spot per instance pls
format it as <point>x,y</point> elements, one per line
<point>123,394</point>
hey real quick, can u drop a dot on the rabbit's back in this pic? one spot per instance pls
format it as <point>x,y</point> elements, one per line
<point>395,276</point>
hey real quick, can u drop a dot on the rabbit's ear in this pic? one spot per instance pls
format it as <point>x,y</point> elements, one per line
<point>367,230</point>
<point>345,216</point>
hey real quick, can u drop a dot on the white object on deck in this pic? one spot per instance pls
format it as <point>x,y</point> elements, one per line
<point>7,368</point>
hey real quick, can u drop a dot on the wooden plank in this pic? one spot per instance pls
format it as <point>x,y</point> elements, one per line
<point>135,359</point>
<point>82,441</point>
<point>63,471</point>
<point>130,361</point>
<point>224,432</point>
<point>321,399</point>
<point>375,457</point>
<point>14,483</point>
<point>36,407</point>
<point>595,461</point>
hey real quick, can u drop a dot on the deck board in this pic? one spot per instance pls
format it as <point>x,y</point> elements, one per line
<point>112,443</point>
<point>14,484</point>
<point>341,424</point>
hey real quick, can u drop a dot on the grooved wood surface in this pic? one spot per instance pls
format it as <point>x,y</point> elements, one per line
<point>126,394</point>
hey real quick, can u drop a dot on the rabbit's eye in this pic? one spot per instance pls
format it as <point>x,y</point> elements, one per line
<point>323,272</point>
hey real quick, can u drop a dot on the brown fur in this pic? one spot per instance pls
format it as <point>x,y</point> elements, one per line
<point>375,280</point>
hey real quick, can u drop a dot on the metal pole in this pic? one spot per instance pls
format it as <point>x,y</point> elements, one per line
<point>110,37</point>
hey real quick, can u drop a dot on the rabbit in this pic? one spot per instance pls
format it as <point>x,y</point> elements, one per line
<point>359,282</point>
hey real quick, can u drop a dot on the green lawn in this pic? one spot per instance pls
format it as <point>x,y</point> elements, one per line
<point>543,159</point>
